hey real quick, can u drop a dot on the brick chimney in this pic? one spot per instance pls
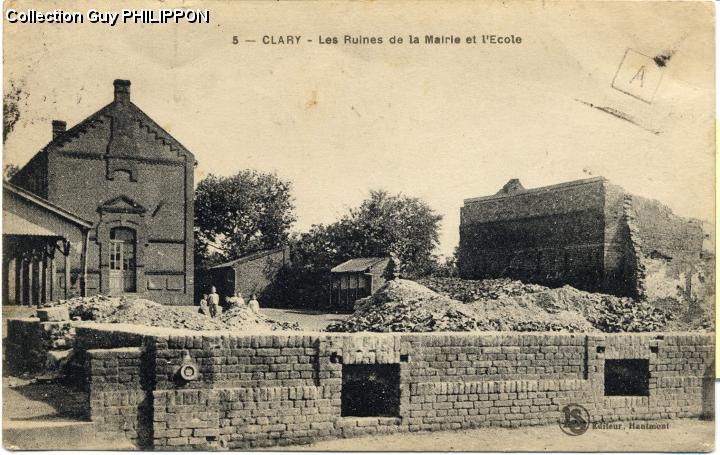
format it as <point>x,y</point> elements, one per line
<point>58,127</point>
<point>122,91</point>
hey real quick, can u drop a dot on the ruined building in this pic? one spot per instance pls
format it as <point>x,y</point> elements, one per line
<point>126,186</point>
<point>587,233</point>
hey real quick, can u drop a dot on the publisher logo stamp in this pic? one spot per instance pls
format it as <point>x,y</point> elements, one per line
<point>575,420</point>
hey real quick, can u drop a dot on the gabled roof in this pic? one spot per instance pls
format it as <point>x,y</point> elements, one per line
<point>131,113</point>
<point>46,205</point>
<point>248,258</point>
<point>357,265</point>
<point>134,113</point>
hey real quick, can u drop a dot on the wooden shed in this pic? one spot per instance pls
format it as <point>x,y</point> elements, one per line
<point>355,279</point>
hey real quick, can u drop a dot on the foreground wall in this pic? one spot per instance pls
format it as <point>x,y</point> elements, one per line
<point>32,345</point>
<point>284,389</point>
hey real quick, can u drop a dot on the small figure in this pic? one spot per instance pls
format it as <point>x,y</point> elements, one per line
<point>236,302</point>
<point>254,304</point>
<point>204,305</point>
<point>214,302</point>
<point>230,301</point>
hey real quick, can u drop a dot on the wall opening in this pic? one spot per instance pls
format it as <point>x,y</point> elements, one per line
<point>122,260</point>
<point>627,377</point>
<point>371,390</point>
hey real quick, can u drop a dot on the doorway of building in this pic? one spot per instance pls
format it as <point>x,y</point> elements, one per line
<point>122,260</point>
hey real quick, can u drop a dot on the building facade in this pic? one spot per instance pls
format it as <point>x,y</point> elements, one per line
<point>587,233</point>
<point>119,169</point>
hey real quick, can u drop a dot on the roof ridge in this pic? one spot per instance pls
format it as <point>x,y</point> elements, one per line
<point>365,261</point>
<point>248,256</point>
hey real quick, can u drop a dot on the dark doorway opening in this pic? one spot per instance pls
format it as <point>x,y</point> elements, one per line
<point>371,390</point>
<point>627,377</point>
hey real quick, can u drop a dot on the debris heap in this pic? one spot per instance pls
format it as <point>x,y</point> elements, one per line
<point>146,312</point>
<point>497,305</point>
<point>473,290</point>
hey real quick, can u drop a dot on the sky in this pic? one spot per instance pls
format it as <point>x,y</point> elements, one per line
<point>441,122</point>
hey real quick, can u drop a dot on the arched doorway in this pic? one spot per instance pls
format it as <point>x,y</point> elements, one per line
<point>122,260</point>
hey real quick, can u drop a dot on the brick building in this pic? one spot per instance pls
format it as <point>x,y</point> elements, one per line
<point>134,182</point>
<point>250,274</point>
<point>587,233</point>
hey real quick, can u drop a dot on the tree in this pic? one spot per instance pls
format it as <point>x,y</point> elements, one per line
<point>236,215</point>
<point>9,170</point>
<point>11,107</point>
<point>401,225</point>
<point>382,225</point>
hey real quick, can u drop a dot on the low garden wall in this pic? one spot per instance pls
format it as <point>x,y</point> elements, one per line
<point>31,343</point>
<point>173,389</point>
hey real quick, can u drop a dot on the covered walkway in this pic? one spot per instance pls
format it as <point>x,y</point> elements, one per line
<point>34,230</point>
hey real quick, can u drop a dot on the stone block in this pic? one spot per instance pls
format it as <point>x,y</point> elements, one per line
<point>54,314</point>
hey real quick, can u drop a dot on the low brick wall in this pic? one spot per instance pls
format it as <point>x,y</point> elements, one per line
<point>265,390</point>
<point>29,341</point>
<point>119,398</point>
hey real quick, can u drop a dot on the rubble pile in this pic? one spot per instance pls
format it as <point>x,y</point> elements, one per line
<point>407,306</point>
<point>146,312</point>
<point>472,290</point>
<point>607,313</point>
<point>242,317</point>
<point>502,305</point>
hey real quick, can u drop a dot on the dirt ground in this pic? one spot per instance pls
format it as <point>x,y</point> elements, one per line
<point>683,436</point>
<point>308,319</point>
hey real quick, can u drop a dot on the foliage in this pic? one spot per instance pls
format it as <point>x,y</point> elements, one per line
<point>14,96</point>
<point>239,214</point>
<point>9,170</point>
<point>383,225</point>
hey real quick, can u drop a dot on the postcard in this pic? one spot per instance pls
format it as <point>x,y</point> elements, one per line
<point>373,226</point>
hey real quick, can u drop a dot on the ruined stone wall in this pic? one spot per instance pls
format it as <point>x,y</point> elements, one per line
<point>667,252</point>
<point>115,366</point>
<point>553,235</point>
<point>24,350</point>
<point>619,265</point>
<point>278,389</point>
<point>589,234</point>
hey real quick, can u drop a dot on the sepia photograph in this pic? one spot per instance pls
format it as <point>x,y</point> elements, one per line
<point>358,226</point>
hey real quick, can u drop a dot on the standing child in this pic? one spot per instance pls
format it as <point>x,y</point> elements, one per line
<point>254,304</point>
<point>214,302</point>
